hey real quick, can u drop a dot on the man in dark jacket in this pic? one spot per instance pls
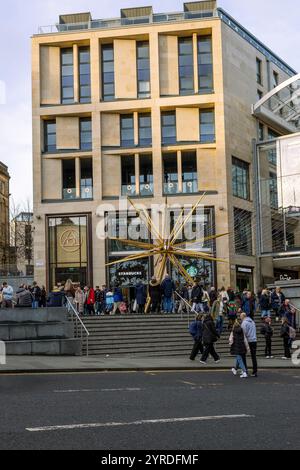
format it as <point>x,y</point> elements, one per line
<point>155,295</point>
<point>210,336</point>
<point>140,297</point>
<point>277,299</point>
<point>267,331</point>
<point>196,330</point>
<point>197,296</point>
<point>285,335</point>
<point>24,298</point>
<point>55,298</point>
<point>168,288</point>
<point>36,295</point>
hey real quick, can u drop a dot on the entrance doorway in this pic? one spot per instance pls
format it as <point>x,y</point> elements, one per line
<point>244,278</point>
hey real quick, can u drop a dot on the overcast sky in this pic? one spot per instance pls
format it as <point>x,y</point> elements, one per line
<point>275,22</point>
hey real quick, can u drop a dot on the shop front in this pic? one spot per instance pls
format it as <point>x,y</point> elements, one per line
<point>244,278</point>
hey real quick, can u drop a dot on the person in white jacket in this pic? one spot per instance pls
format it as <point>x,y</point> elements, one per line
<point>7,295</point>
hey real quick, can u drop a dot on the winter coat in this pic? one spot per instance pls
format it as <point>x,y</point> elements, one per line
<point>118,296</point>
<point>238,347</point>
<point>90,299</point>
<point>197,294</point>
<point>196,330</point>
<point>265,303</point>
<point>277,300</point>
<point>168,287</point>
<point>288,312</point>
<point>249,328</point>
<point>184,292</point>
<point>140,294</point>
<point>36,293</point>
<point>7,293</point>
<point>248,306</point>
<point>285,331</point>
<point>100,296</point>
<point>213,295</point>
<point>24,298</point>
<point>210,334</point>
<point>217,309</point>
<point>55,299</point>
<point>155,292</point>
<point>79,300</point>
<point>267,331</point>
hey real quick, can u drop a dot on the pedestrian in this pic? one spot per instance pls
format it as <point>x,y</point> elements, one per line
<point>43,300</point>
<point>79,300</point>
<point>248,304</point>
<point>285,335</point>
<point>196,330</point>
<point>217,312</point>
<point>277,300</point>
<point>69,290</point>
<point>210,337</point>
<point>155,295</point>
<point>90,300</point>
<point>232,311</point>
<point>184,300</point>
<point>100,295</point>
<point>197,296</point>
<point>213,295</point>
<point>288,311</point>
<point>265,303</point>
<point>118,299</point>
<point>168,289</point>
<point>36,295</point>
<point>7,295</point>
<point>24,297</point>
<point>205,300</point>
<point>267,331</point>
<point>55,298</point>
<point>140,297</point>
<point>109,301</point>
<point>249,328</point>
<point>239,348</point>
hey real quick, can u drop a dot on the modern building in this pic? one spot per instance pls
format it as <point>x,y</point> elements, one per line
<point>4,219</point>
<point>21,237</point>
<point>153,106</point>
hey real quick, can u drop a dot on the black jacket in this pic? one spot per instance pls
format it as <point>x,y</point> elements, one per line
<point>238,347</point>
<point>24,298</point>
<point>267,331</point>
<point>55,299</point>
<point>265,302</point>
<point>197,294</point>
<point>285,331</point>
<point>210,334</point>
<point>155,292</point>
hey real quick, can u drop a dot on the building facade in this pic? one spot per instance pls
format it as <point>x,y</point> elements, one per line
<point>21,238</point>
<point>151,106</point>
<point>4,219</point>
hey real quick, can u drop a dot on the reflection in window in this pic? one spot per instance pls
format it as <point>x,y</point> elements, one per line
<point>67,76</point>
<point>143,69</point>
<point>205,64</point>
<point>128,175</point>
<point>186,66</point>
<point>127,130</point>
<point>108,72</point>
<point>86,178</point>
<point>243,232</point>
<point>50,136</point>
<point>69,179</point>
<point>86,134</point>
<point>84,75</point>
<point>170,173</point>
<point>168,125</point>
<point>207,126</point>
<point>189,172</point>
<point>145,130</point>
<point>273,191</point>
<point>146,175</point>
<point>240,179</point>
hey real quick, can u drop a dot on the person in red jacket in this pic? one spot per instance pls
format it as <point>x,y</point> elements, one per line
<point>90,300</point>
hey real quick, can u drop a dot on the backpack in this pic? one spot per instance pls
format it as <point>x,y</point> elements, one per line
<point>231,309</point>
<point>193,328</point>
<point>292,333</point>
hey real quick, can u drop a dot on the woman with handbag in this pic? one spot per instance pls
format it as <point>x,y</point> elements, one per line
<point>239,348</point>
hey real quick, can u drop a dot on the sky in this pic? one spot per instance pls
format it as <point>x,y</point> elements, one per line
<point>274,22</point>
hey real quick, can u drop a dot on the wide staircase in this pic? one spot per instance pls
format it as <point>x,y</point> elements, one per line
<point>156,336</point>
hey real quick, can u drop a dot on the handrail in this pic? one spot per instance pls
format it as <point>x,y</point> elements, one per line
<point>297,310</point>
<point>71,309</point>
<point>188,305</point>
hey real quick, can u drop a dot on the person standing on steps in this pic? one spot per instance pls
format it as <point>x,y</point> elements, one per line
<point>267,331</point>
<point>140,297</point>
<point>277,300</point>
<point>196,330</point>
<point>210,337</point>
<point>168,289</point>
<point>155,295</point>
<point>285,335</point>
<point>249,328</point>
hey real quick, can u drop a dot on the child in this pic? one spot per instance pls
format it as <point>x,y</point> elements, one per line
<point>267,332</point>
<point>109,302</point>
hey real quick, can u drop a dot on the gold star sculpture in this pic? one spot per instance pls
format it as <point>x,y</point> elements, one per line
<point>164,246</point>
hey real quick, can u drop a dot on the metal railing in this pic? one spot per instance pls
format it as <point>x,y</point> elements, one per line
<point>297,317</point>
<point>190,309</point>
<point>79,326</point>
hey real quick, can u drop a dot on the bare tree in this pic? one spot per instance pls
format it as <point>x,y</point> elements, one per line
<point>21,236</point>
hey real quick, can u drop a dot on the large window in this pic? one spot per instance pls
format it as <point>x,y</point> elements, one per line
<point>50,136</point>
<point>146,175</point>
<point>240,179</point>
<point>145,130</point>
<point>168,125</point>
<point>243,232</point>
<point>86,178</point>
<point>67,76</point>
<point>143,69</point>
<point>273,191</point>
<point>205,64</point>
<point>207,126</point>
<point>259,71</point>
<point>84,75</point>
<point>108,72</point>
<point>189,172</point>
<point>127,130</point>
<point>272,154</point>
<point>186,66</point>
<point>275,79</point>
<point>170,173</point>
<point>128,175</point>
<point>86,134</point>
<point>69,179</point>
<point>68,250</point>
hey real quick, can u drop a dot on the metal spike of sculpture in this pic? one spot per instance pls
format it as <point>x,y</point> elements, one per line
<point>165,248</point>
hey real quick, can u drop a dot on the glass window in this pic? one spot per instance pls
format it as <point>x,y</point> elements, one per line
<point>146,175</point>
<point>189,172</point>
<point>168,125</point>
<point>275,79</point>
<point>69,179</point>
<point>143,69</point>
<point>259,95</point>
<point>84,75</point>
<point>261,132</point>
<point>50,136</point>
<point>186,66</point>
<point>240,179</point>
<point>243,232</point>
<point>205,64</point>
<point>127,130</point>
<point>86,134</point>
<point>128,175</point>
<point>86,178</point>
<point>207,126</point>
<point>273,191</point>
<point>145,130</point>
<point>67,76</point>
<point>259,71</point>
<point>108,72</point>
<point>170,173</point>
<point>272,154</point>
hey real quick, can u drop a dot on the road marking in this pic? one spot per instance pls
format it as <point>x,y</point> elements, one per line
<point>187,383</point>
<point>100,390</point>
<point>136,423</point>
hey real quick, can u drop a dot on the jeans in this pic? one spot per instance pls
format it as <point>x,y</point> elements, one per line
<point>35,304</point>
<point>209,349</point>
<point>265,313</point>
<point>240,363</point>
<point>168,304</point>
<point>220,324</point>
<point>198,307</point>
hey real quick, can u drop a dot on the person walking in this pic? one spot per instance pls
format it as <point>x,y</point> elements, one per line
<point>168,289</point>
<point>265,303</point>
<point>196,330</point>
<point>267,331</point>
<point>285,335</point>
<point>249,328</point>
<point>69,290</point>
<point>118,299</point>
<point>155,295</point>
<point>213,295</point>
<point>210,337</point>
<point>109,301</point>
<point>140,297</point>
<point>197,296</point>
<point>277,300</point>
<point>248,304</point>
<point>239,348</point>
<point>79,300</point>
<point>217,312</point>
<point>7,296</point>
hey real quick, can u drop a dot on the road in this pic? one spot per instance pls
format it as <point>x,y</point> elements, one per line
<point>150,410</point>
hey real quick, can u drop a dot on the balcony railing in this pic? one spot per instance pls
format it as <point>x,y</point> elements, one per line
<point>171,188</point>
<point>190,186</point>
<point>69,193</point>
<point>128,190</point>
<point>146,189</point>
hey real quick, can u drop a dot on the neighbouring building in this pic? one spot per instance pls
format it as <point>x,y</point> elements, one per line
<point>21,238</point>
<point>152,106</point>
<point>4,220</point>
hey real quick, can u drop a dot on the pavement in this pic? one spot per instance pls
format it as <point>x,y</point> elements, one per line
<point>162,410</point>
<point>45,364</point>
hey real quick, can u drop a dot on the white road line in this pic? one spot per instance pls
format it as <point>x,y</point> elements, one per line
<point>100,390</point>
<point>136,423</point>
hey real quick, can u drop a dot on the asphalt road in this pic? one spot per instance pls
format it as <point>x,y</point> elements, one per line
<point>150,411</point>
